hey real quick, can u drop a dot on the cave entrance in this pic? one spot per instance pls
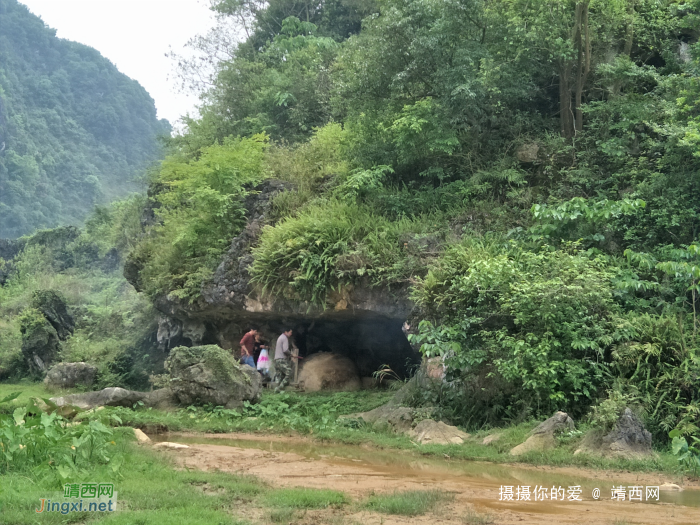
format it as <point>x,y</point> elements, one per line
<point>368,342</point>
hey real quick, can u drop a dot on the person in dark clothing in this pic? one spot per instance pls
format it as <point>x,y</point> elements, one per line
<point>248,347</point>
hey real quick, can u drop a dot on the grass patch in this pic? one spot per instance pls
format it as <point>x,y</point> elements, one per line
<point>150,492</point>
<point>474,518</point>
<point>409,503</point>
<point>304,498</point>
<point>284,515</point>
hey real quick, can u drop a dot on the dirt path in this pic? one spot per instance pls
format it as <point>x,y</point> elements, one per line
<point>480,493</point>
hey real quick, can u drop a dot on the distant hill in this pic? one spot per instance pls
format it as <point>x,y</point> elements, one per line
<point>74,131</point>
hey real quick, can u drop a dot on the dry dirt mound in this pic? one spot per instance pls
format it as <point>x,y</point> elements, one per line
<point>327,371</point>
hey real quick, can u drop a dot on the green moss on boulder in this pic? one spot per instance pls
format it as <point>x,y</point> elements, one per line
<point>211,375</point>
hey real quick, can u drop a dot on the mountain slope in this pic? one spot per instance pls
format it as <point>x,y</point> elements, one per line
<point>73,129</point>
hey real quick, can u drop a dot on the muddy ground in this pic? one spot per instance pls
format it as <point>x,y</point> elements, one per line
<point>475,486</point>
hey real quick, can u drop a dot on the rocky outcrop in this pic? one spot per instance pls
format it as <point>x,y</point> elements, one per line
<point>543,436</point>
<point>430,432</point>
<point>627,439</point>
<point>114,397</point>
<point>53,307</point>
<point>329,372</point>
<point>69,375</point>
<point>210,375</point>
<point>43,326</point>
<point>360,322</point>
<point>40,342</point>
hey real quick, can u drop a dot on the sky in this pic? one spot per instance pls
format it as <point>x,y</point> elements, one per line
<point>135,35</point>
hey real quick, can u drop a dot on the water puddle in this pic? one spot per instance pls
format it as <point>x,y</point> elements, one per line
<point>402,464</point>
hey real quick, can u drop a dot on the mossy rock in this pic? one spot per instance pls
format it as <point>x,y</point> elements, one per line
<point>211,375</point>
<point>52,305</point>
<point>40,341</point>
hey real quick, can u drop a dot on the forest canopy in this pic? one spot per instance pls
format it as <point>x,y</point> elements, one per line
<point>74,131</point>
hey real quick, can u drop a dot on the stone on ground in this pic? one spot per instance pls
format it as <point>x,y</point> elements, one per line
<point>168,444</point>
<point>491,438</point>
<point>210,375</point>
<point>396,418</point>
<point>628,439</point>
<point>69,375</point>
<point>430,432</point>
<point>141,437</point>
<point>328,371</point>
<point>542,437</point>
<point>112,397</point>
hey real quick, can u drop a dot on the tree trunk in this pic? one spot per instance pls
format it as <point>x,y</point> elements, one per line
<point>582,40</point>
<point>566,115</point>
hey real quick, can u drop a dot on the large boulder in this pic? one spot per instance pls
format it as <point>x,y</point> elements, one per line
<point>431,432</point>
<point>69,375</point>
<point>40,341</point>
<point>328,371</point>
<point>627,439</point>
<point>542,437</point>
<point>53,307</point>
<point>210,375</point>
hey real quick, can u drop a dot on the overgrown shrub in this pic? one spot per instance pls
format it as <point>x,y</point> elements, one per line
<point>331,245</point>
<point>200,210</point>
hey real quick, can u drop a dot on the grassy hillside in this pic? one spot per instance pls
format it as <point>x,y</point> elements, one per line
<point>74,131</point>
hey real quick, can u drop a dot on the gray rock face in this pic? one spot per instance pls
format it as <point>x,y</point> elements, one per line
<point>210,375</point>
<point>68,375</point>
<point>542,437</point>
<point>52,305</point>
<point>628,437</point>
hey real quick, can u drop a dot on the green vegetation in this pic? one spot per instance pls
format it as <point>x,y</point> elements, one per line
<point>74,131</point>
<point>527,170</point>
<point>114,325</point>
<point>303,498</point>
<point>408,503</point>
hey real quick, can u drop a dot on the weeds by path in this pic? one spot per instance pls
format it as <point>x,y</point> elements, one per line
<point>409,503</point>
<point>305,498</point>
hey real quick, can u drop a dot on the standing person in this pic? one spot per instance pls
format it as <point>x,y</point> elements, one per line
<point>248,347</point>
<point>283,361</point>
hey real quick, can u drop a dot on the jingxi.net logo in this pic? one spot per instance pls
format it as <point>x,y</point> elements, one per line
<point>81,497</point>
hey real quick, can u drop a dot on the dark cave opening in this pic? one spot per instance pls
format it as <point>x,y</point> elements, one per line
<point>368,342</point>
